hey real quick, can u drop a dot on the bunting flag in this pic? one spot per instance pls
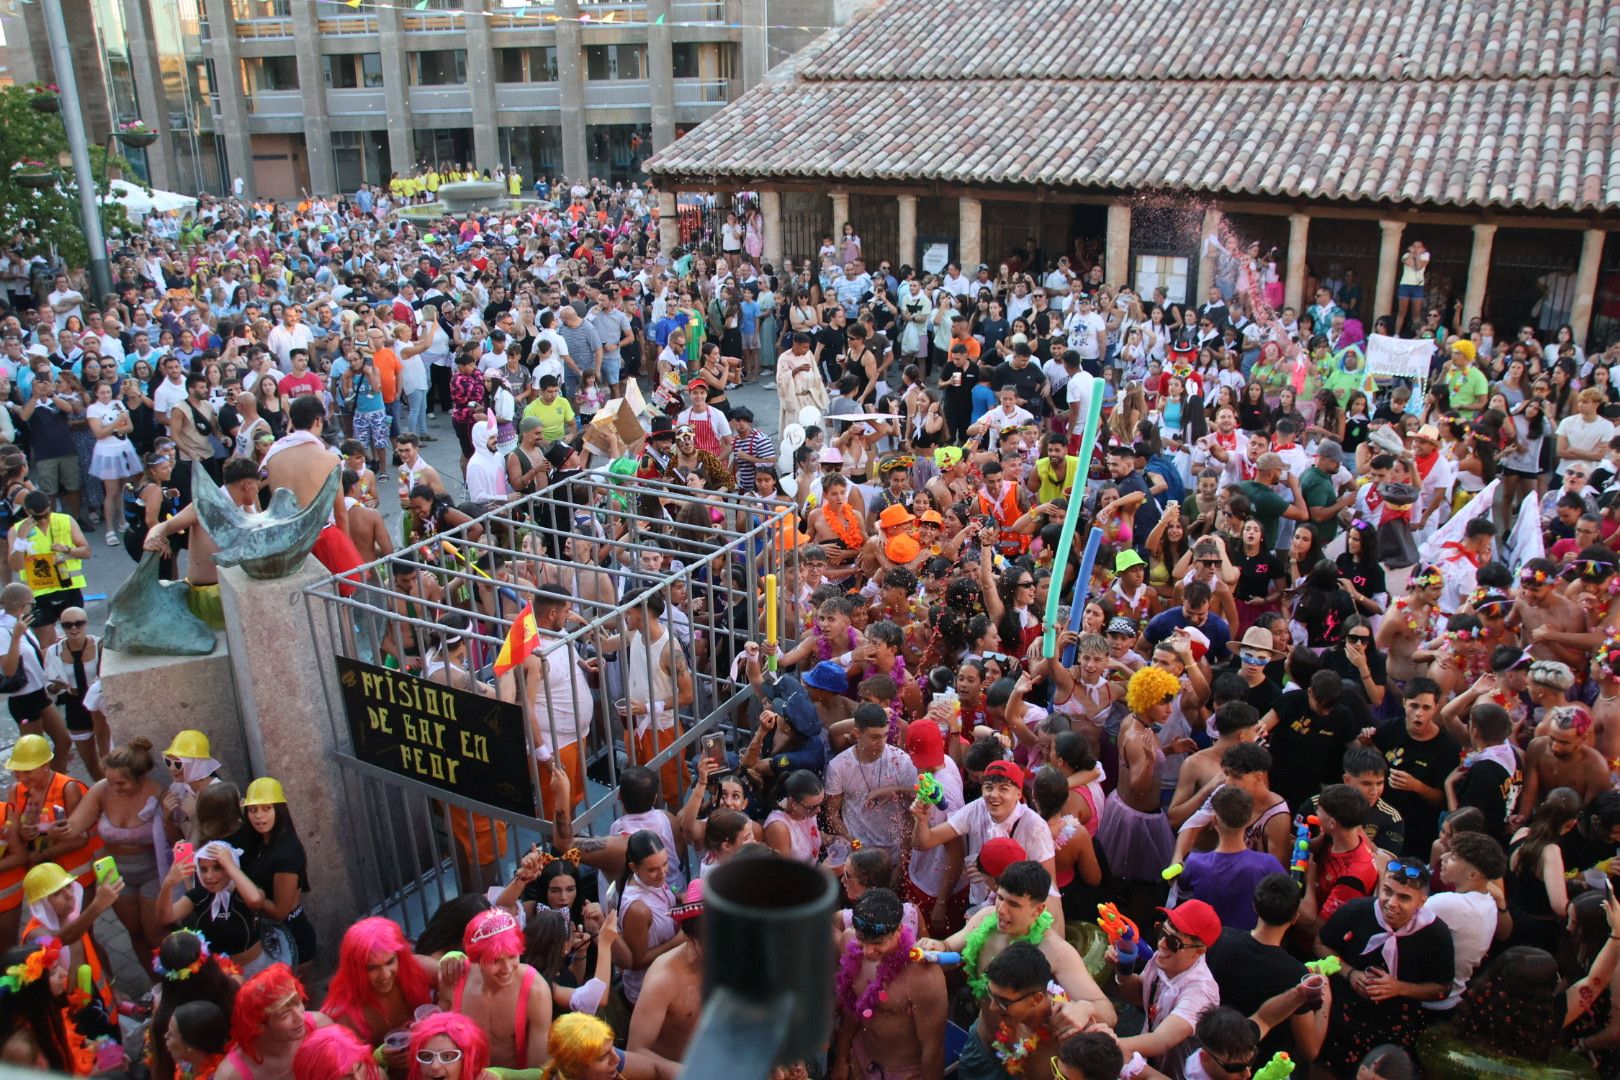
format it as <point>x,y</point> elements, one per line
<point>520,642</point>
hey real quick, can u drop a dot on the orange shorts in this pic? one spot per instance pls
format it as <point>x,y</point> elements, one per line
<point>653,742</point>
<point>569,759</point>
<point>336,551</point>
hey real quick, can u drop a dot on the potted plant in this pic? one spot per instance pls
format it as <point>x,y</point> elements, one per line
<point>33,174</point>
<point>45,97</point>
<point>136,133</point>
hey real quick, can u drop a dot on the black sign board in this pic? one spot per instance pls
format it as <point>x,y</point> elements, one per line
<point>457,741</point>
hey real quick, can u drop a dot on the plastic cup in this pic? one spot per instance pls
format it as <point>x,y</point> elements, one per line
<point>1314,985</point>
<point>425,1011</point>
<point>398,1039</point>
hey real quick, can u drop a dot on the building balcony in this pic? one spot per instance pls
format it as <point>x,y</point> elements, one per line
<point>347,25</point>
<point>440,99</point>
<point>527,96</point>
<point>268,28</point>
<point>618,94</point>
<point>697,11</point>
<point>357,102</point>
<point>276,103</point>
<point>694,92</point>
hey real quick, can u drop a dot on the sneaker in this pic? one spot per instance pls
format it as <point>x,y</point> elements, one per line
<point>768,384</point>
<point>112,538</point>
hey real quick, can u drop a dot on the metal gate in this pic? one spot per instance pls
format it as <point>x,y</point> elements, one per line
<point>441,609</point>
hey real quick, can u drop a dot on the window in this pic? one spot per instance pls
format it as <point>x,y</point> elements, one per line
<point>348,71</point>
<point>371,69</point>
<point>615,62</point>
<point>1169,271</point>
<point>684,55</point>
<point>538,64</point>
<point>272,73</point>
<point>446,67</point>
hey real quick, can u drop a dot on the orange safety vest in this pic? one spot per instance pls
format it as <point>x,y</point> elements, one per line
<point>91,957</point>
<point>1007,513</point>
<point>78,862</point>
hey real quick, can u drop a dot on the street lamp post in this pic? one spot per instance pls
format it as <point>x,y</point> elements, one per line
<point>78,147</point>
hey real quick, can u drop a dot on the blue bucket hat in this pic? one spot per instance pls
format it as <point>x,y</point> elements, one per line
<point>787,698</point>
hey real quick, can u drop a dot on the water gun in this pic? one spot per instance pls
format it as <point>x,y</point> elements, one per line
<point>1171,872</point>
<point>1302,846</point>
<point>1278,1068</point>
<point>1123,936</point>
<point>935,956</point>
<point>929,791</point>
<point>1327,967</point>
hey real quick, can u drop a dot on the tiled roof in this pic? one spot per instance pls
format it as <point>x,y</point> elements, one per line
<point>1223,39</point>
<point>1483,102</point>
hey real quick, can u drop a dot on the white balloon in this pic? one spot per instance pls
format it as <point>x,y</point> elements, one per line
<point>793,436</point>
<point>809,416</point>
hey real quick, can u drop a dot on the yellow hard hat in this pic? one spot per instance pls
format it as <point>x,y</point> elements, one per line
<point>265,791</point>
<point>43,880</point>
<point>189,744</point>
<point>31,752</point>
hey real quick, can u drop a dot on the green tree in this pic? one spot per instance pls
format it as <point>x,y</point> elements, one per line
<point>39,220</point>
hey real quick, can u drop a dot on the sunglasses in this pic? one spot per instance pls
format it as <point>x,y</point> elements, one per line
<point>1254,659</point>
<point>1360,639</point>
<point>1209,562</point>
<point>443,1057</point>
<point>75,624</point>
<point>1419,874</point>
<point>1026,584</point>
<point>174,762</point>
<point>1001,1004</point>
<point>1173,942</point>
<point>1244,1066</point>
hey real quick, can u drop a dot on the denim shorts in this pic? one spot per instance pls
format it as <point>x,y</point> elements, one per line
<point>610,370</point>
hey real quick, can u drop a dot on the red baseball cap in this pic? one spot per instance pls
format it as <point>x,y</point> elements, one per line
<point>1196,918</point>
<point>1005,770</point>
<point>926,745</point>
<point>1000,853</point>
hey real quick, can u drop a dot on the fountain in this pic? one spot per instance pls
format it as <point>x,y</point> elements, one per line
<point>465,197</point>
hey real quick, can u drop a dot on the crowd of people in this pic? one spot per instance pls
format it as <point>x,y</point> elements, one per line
<point>1315,769</point>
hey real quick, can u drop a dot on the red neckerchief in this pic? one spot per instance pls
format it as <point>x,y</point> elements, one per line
<point>1461,553</point>
<point>1426,464</point>
<point>1278,446</point>
<point>1227,442</point>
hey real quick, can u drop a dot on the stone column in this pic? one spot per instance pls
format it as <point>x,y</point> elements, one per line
<point>1586,277</point>
<point>1479,272</point>
<point>232,102</point>
<point>969,236</point>
<point>312,82</point>
<point>1299,226</point>
<point>1389,269</point>
<point>288,731</point>
<point>770,208</point>
<point>571,90</point>
<point>907,255</point>
<point>669,224</point>
<point>661,72</point>
<point>1206,260</point>
<point>481,87</point>
<point>1117,245</point>
<point>396,83</point>
<point>840,214</point>
<point>143,62</point>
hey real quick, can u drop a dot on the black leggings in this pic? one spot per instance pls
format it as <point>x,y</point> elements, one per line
<point>440,390</point>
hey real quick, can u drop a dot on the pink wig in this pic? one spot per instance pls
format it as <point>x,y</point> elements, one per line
<point>350,992</point>
<point>333,1051</point>
<point>492,934</point>
<point>269,988</point>
<point>468,1037</point>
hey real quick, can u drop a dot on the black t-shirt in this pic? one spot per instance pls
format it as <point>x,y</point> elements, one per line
<point>1335,659</point>
<point>1425,956</point>
<point>1368,580</point>
<point>1493,790</point>
<point>959,399</point>
<point>1309,745</point>
<point>283,854</point>
<point>1256,573</point>
<point>833,342</point>
<point>1147,511</point>
<point>1026,383</point>
<point>1430,761</point>
<point>234,933</point>
<point>1249,974</point>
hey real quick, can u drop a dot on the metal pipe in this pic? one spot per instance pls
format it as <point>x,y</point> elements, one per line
<point>79,148</point>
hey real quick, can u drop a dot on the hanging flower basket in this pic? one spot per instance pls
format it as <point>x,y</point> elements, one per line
<point>45,97</point>
<point>38,179</point>
<point>137,134</point>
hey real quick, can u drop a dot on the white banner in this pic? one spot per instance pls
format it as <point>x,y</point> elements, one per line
<point>1452,531</point>
<point>1525,541</point>
<point>1399,356</point>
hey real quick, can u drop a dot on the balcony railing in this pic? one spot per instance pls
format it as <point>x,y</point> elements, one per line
<point>265,29</point>
<point>691,92</point>
<point>355,101</point>
<point>338,25</point>
<point>276,103</point>
<point>528,96</point>
<point>618,94</point>
<point>440,99</point>
<point>433,20</point>
<point>698,11</point>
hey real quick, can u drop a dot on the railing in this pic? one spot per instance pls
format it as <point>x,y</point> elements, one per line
<point>696,11</point>
<point>276,103</point>
<point>266,29</point>
<point>528,96</point>
<point>691,92</point>
<point>440,99</point>
<point>618,94</point>
<point>348,24</point>
<point>441,21</point>
<point>613,12</point>
<point>356,101</point>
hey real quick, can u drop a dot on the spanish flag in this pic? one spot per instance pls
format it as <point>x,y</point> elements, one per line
<point>520,641</point>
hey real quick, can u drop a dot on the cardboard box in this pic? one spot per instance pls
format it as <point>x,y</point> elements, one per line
<point>618,415</point>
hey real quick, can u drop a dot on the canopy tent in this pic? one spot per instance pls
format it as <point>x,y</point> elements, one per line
<point>139,202</point>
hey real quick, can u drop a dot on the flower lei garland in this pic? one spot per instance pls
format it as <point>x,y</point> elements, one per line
<point>978,981</point>
<point>897,708</point>
<point>1014,1055</point>
<point>877,991</point>
<point>32,969</point>
<point>824,647</point>
<point>1423,629</point>
<point>224,962</point>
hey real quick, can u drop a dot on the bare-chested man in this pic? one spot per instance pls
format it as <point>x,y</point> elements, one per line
<point>301,462</point>
<point>1562,755</point>
<point>1201,773</point>
<point>671,998</point>
<point>1605,672</point>
<point>366,527</point>
<point>505,997</point>
<point>895,1028</point>
<point>1547,615</point>
<point>1461,657</point>
<point>1410,623</point>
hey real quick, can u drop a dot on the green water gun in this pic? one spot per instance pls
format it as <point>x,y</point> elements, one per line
<point>1279,1067</point>
<point>1327,967</point>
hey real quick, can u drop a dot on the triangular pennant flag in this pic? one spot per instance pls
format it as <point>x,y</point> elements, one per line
<point>421,5</point>
<point>354,3</point>
<point>658,21</point>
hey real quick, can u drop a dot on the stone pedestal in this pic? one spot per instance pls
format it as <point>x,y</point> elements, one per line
<point>1586,279</point>
<point>669,224</point>
<point>1389,270</point>
<point>907,255</point>
<point>157,696</point>
<point>1294,278</point>
<point>1479,273</point>
<point>970,219</point>
<point>770,208</point>
<point>277,663</point>
<point>1117,247</point>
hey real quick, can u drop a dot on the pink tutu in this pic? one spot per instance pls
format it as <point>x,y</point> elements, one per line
<point>1139,846</point>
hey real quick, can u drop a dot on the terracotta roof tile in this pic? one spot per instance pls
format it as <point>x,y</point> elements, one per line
<point>1545,143</point>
